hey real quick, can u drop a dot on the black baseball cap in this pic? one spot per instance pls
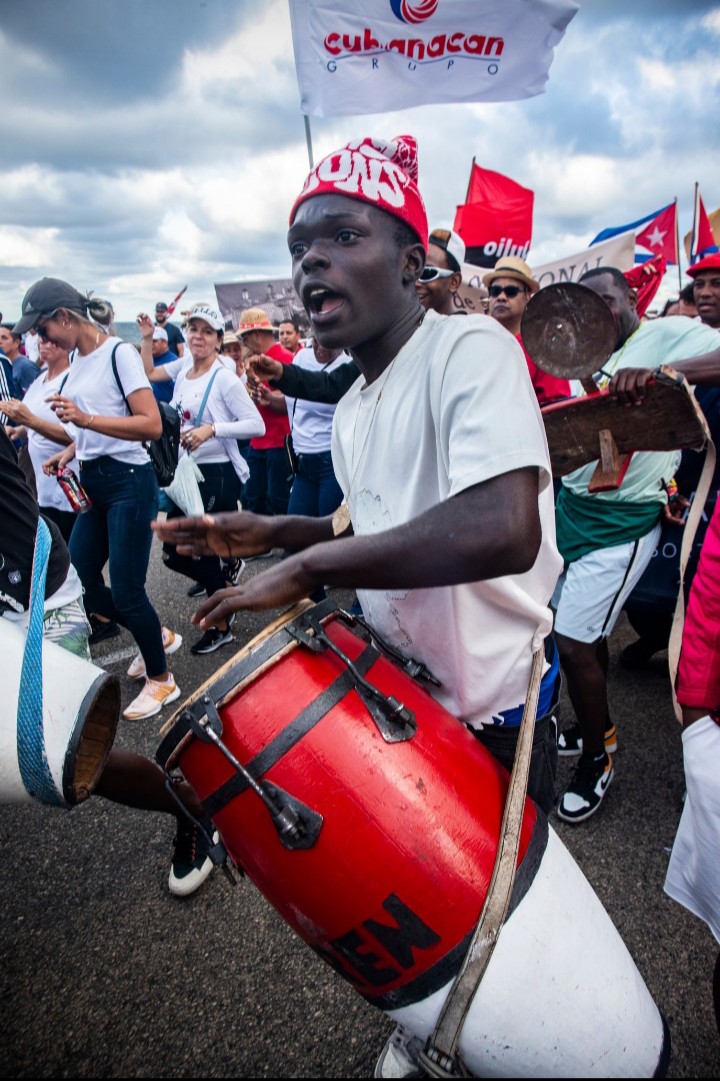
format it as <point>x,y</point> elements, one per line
<point>161,306</point>
<point>47,296</point>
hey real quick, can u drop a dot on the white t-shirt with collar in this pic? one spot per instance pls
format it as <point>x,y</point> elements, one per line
<point>92,386</point>
<point>457,409</point>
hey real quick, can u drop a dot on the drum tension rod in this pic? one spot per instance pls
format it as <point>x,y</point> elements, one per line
<point>396,723</point>
<point>297,825</point>
<point>415,669</point>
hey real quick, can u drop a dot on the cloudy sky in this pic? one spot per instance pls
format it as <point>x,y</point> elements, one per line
<point>147,144</point>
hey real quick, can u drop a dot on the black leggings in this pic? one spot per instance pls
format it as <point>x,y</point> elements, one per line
<point>220,491</point>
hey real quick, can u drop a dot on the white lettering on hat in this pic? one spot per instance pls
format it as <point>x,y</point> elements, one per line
<point>365,171</point>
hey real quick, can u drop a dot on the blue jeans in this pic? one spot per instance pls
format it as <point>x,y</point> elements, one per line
<point>117,527</point>
<point>267,490</point>
<point>315,491</point>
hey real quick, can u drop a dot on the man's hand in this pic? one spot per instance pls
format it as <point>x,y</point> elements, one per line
<point>629,386</point>
<point>279,586</point>
<point>239,533</point>
<point>263,367</point>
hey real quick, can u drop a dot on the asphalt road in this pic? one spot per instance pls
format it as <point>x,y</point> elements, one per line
<point>104,974</point>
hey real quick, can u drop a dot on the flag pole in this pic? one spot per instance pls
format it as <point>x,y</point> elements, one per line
<point>472,170</point>
<point>677,244</point>
<point>308,140</point>
<point>694,232</point>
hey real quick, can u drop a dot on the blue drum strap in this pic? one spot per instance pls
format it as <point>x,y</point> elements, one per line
<point>32,759</point>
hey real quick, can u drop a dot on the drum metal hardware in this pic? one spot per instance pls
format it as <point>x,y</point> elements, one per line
<point>415,669</point>
<point>395,722</point>
<point>297,825</point>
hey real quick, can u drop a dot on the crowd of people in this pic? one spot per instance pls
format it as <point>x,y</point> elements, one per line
<point>394,428</point>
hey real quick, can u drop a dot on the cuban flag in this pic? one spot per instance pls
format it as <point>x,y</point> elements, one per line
<point>657,233</point>
<point>702,239</point>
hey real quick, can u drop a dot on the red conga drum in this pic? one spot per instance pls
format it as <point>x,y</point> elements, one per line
<point>366,814</point>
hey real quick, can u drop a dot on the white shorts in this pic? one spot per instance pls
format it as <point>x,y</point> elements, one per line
<point>693,877</point>
<point>591,592</point>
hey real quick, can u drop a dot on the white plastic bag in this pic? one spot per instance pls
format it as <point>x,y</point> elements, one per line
<point>184,490</point>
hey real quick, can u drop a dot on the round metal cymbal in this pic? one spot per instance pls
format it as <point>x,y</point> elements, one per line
<point>568,330</point>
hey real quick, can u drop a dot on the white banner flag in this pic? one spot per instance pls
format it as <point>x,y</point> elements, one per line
<point>618,252</point>
<point>373,56</point>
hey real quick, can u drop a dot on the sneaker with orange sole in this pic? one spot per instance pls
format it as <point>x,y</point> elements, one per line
<point>151,699</point>
<point>171,643</point>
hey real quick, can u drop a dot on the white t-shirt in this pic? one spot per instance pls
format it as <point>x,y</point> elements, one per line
<point>228,407</point>
<point>457,409</point>
<point>50,494</point>
<point>311,422</point>
<point>93,387</point>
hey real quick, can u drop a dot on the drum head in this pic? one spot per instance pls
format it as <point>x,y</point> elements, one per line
<point>568,330</point>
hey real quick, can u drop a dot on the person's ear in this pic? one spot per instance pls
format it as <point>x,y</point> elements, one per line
<point>455,281</point>
<point>413,262</point>
<point>632,298</point>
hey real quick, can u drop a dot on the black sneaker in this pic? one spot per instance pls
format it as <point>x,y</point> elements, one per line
<point>191,863</point>
<point>232,569</point>
<point>100,631</point>
<point>212,640</point>
<point>586,791</point>
<point>637,655</point>
<point>196,590</point>
<point>570,742</point>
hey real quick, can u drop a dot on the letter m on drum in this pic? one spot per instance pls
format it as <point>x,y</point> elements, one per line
<point>397,940</point>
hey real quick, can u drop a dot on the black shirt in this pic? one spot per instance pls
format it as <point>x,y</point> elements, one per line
<point>175,336</point>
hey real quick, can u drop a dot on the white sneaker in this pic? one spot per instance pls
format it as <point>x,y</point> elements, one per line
<point>400,1056</point>
<point>171,643</point>
<point>151,699</point>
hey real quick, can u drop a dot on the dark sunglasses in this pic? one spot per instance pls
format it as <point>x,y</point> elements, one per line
<point>432,273</point>
<point>510,291</point>
<point>40,328</point>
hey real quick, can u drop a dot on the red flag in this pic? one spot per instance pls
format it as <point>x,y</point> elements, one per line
<point>702,240</point>
<point>496,220</point>
<point>645,279</point>
<point>171,307</point>
<point>660,234</point>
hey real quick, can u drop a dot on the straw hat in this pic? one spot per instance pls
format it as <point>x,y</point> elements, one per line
<point>254,319</point>
<point>511,266</point>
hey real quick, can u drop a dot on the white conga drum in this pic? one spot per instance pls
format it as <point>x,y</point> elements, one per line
<point>370,818</point>
<point>80,712</point>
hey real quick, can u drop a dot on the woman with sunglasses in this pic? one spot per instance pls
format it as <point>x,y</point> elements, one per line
<point>442,275</point>
<point>109,415</point>
<point>215,411</point>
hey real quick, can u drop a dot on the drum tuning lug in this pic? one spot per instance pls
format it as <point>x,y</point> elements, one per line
<point>297,825</point>
<point>210,719</point>
<point>396,723</point>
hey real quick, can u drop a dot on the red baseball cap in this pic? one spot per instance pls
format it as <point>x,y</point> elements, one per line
<point>710,262</point>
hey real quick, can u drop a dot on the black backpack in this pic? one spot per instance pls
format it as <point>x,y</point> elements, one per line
<point>164,450</point>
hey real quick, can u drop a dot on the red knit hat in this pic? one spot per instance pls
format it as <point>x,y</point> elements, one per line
<point>378,171</point>
<point>710,262</point>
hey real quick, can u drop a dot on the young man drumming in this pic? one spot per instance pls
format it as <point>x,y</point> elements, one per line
<point>447,526</point>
